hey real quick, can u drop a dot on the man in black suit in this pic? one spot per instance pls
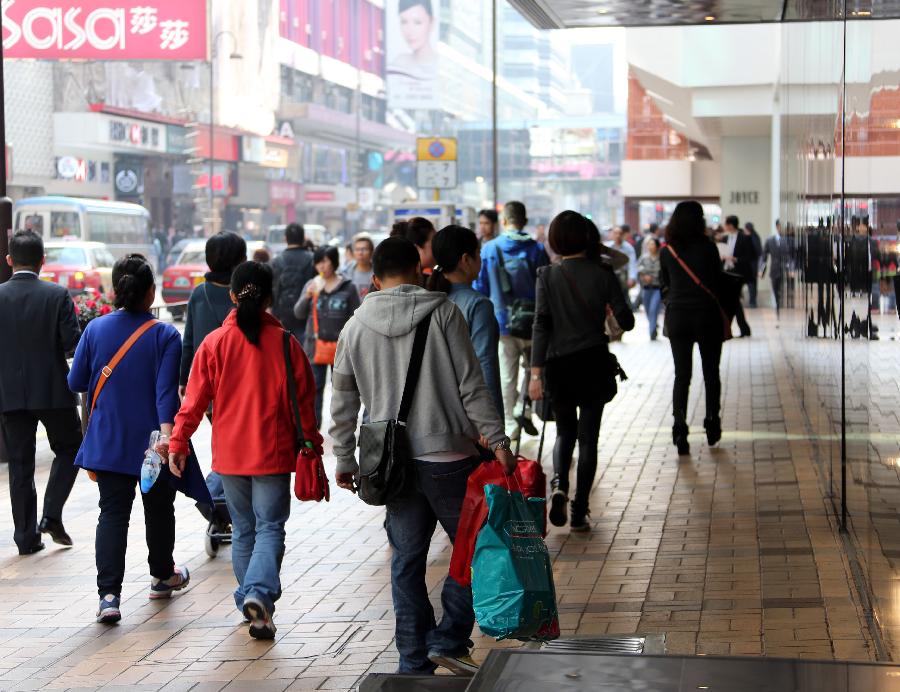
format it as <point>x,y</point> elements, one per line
<point>740,258</point>
<point>776,249</point>
<point>40,329</point>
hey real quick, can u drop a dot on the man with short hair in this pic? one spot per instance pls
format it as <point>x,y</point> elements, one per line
<point>509,266</point>
<point>740,258</point>
<point>451,408</point>
<point>359,271</point>
<point>776,249</point>
<point>40,329</point>
<point>487,225</point>
<point>291,270</point>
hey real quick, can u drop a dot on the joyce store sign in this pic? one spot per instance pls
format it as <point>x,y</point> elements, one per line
<point>104,29</point>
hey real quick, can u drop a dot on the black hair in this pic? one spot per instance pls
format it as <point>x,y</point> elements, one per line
<point>409,4</point>
<point>362,238</point>
<point>417,230</point>
<point>749,226</point>
<point>132,277</point>
<point>395,257</point>
<point>294,234</point>
<point>449,246</point>
<point>569,233</point>
<point>251,284</point>
<point>687,224</point>
<point>626,228</point>
<point>26,249</point>
<point>515,213</point>
<point>491,215</point>
<point>329,253</point>
<point>653,228</point>
<point>732,221</point>
<point>225,251</point>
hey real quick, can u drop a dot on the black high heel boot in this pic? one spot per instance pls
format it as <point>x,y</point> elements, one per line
<point>713,430</point>
<point>558,503</point>
<point>680,438</point>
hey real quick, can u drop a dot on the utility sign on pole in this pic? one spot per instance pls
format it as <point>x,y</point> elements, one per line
<point>436,166</point>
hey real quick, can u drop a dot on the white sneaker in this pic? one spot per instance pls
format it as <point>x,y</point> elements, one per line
<point>164,588</point>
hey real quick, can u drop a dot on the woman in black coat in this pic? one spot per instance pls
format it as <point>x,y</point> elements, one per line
<point>693,316</point>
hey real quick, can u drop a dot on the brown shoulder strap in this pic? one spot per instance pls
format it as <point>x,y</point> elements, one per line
<point>699,283</point>
<point>120,354</point>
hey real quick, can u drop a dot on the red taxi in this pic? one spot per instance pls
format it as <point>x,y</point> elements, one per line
<point>80,266</point>
<point>188,272</point>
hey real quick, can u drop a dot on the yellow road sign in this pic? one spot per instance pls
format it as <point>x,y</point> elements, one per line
<point>436,149</point>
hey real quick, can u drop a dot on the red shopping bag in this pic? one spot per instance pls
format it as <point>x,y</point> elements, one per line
<point>530,478</point>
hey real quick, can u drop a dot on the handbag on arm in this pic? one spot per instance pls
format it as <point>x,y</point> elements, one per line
<point>384,458</point>
<point>310,481</point>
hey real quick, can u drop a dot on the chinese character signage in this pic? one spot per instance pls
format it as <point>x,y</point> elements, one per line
<point>104,29</point>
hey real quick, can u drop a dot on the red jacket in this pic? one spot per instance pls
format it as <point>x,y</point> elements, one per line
<point>253,428</point>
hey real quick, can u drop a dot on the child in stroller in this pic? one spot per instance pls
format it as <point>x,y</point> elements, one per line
<point>219,529</point>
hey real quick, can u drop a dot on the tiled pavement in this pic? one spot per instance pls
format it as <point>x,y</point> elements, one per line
<point>731,551</point>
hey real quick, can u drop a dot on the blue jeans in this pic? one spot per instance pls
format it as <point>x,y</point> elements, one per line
<point>440,488</point>
<point>259,508</point>
<point>320,375</point>
<point>652,298</point>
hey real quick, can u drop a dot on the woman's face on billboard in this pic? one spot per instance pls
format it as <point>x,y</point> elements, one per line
<point>415,23</point>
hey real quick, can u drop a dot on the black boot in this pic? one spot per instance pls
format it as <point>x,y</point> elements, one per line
<point>680,438</point>
<point>579,522</point>
<point>713,430</point>
<point>558,502</point>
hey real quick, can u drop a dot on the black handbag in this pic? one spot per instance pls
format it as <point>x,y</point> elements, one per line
<point>385,467</point>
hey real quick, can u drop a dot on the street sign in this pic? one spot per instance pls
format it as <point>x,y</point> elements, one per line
<point>436,149</point>
<point>436,175</point>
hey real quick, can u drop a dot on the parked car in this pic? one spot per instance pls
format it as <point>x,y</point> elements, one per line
<point>175,251</point>
<point>314,232</point>
<point>81,266</point>
<point>188,272</point>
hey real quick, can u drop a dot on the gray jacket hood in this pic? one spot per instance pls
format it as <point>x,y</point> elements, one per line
<point>398,311</point>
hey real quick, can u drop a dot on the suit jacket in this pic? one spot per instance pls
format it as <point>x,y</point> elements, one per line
<point>779,253</point>
<point>745,257</point>
<point>40,329</point>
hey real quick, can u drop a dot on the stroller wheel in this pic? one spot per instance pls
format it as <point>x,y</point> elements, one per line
<point>212,545</point>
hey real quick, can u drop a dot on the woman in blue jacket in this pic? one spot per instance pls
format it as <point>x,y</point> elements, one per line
<point>457,253</point>
<point>140,395</point>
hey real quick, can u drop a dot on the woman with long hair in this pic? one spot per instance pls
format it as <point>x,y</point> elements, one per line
<point>692,316</point>
<point>457,252</point>
<point>241,368</point>
<point>648,275</point>
<point>137,396</point>
<point>570,359</point>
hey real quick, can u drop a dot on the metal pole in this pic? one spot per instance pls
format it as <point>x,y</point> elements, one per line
<point>212,138</point>
<point>5,201</point>
<point>495,149</point>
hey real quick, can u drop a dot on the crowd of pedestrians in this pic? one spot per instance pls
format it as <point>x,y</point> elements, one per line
<point>457,335</point>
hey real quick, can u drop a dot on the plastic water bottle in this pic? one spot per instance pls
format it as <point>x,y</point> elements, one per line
<point>152,461</point>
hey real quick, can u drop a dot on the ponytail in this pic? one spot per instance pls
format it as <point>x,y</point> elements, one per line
<point>448,247</point>
<point>251,284</point>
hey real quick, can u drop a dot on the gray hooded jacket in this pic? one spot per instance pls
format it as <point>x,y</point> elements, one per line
<point>452,404</point>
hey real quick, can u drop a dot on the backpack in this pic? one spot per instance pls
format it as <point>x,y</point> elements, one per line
<point>517,276</point>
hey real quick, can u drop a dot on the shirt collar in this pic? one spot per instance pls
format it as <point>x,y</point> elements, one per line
<point>25,271</point>
<point>517,235</point>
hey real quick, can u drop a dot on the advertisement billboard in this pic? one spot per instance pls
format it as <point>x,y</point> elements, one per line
<point>412,59</point>
<point>104,29</point>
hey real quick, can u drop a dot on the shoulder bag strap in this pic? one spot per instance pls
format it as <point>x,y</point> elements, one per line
<point>415,367</point>
<point>699,283</point>
<point>119,355</point>
<point>292,391</point>
<point>505,283</point>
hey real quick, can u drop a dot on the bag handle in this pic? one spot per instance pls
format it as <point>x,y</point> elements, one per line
<point>415,367</point>
<point>300,438</point>
<point>696,279</point>
<point>107,370</point>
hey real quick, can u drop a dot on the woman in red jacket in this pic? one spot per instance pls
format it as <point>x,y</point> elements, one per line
<point>241,368</point>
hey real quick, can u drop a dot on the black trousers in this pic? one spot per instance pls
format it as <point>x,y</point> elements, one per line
<point>776,291</point>
<point>64,434</point>
<point>116,498</point>
<point>683,355</point>
<point>581,425</point>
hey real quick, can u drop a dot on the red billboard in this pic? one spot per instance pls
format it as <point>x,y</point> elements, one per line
<point>104,29</point>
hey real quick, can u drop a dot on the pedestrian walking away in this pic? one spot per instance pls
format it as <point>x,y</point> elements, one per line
<point>777,259</point>
<point>240,368</point>
<point>292,269</point>
<point>40,331</point>
<point>128,363</point>
<point>509,266</point>
<point>450,409</point>
<point>571,362</point>
<point>693,316</point>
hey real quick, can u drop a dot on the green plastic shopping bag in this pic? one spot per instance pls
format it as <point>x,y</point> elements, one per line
<point>512,578</point>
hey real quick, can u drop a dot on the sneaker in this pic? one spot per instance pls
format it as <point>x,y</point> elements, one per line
<point>164,588</point>
<point>458,665</point>
<point>261,625</point>
<point>108,613</point>
<point>558,502</point>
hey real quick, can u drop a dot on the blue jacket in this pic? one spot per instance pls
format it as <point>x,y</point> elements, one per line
<point>515,246</point>
<point>485,334</point>
<point>141,393</point>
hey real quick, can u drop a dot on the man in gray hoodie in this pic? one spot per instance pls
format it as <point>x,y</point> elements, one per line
<point>451,409</point>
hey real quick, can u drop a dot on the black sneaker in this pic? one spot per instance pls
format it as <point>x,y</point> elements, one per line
<point>558,502</point>
<point>261,624</point>
<point>527,425</point>
<point>579,522</point>
<point>108,613</point>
